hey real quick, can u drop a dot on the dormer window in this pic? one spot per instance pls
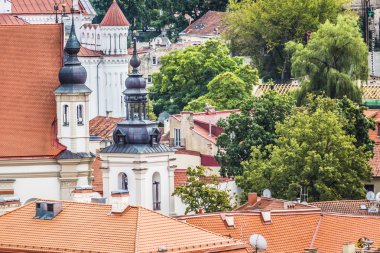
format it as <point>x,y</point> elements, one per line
<point>65,115</point>
<point>80,115</point>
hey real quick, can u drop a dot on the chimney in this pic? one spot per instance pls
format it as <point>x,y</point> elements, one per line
<point>47,210</point>
<point>5,6</point>
<point>200,211</point>
<point>84,194</point>
<point>252,198</point>
<point>108,114</point>
<point>349,248</point>
<point>119,201</point>
<point>209,109</point>
<point>76,5</point>
<point>311,250</point>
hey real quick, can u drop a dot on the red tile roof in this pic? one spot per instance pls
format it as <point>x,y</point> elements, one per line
<point>103,126</point>
<point>85,52</point>
<point>84,227</point>
<point>264,203</point>
<point>31,60</point>
<point>208,24</point>
<point>345,207</point>
<point>8,19</point>
<point>114,16</point>
<point>40,6</point>
<point>292,231</point>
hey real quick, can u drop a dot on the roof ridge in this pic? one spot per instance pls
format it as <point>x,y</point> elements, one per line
<point>191,225</point>
<point>316,231</point>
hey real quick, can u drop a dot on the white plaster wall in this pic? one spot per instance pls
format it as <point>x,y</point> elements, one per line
<point>46,188</point>
<point>29,180</point>
<point>107,82</point>
<point>184,161</point>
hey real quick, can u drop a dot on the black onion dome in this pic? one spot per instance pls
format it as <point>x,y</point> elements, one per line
<point>72,75</point>
<point>135,80</point>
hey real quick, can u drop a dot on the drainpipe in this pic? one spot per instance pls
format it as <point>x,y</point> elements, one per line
<point>97,82</point>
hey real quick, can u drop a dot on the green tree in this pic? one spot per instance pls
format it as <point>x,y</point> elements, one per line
<point>199,104</point>
<point>253,126</point>
<point>198,193</point>
<point>260,28</point>
<point>184,74</point>
<point>313,153</point>
<point>333,61</point>
<point>228,91</point>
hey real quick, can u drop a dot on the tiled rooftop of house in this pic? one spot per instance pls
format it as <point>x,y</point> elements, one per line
<point>210,24</point>
<point>82,227</point>
<point>31,60</point>
<point>85,52</point>
<point>103,126</point>
<point>114,16</point>
<point>291,229</point>
<point>41,6</point>
<point>261,89</point>
<point>8,19</point>
<point>354,207</point>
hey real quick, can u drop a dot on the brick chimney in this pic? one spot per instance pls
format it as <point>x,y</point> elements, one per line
<point>209,109</point>
<point>252,198</point>
<point>84,194</point>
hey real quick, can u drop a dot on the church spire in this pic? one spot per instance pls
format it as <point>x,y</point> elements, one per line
<point>72,75</point>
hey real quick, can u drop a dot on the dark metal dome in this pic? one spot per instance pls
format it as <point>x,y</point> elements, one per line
<point>72,75</point>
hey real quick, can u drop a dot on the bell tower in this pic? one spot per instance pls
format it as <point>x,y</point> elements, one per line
<point>137,162</point>
<point>72,98</point>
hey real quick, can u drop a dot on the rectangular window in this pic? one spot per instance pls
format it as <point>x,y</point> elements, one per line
<point>149,79</point>
<point>177,137</point>
<point>50,207</point>
<point>154,60</point>
<point>65,115</point>
<point>80,115</point>
<point>156,196</point>
<point>369,187</point>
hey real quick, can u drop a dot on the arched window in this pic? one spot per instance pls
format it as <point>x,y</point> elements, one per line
<point>123,181</point>
<point>80,115</point>
<point>156,189</point>
<point>65,115</point>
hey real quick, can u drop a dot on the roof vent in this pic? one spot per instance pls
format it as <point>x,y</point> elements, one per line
<point>266,216</point>
<point>47,210</point>
<point>162,249</point>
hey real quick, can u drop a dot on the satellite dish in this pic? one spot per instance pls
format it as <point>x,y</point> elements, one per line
<point>378,197</point>
<point>267,193</point>
<point>370,195</point>
<point>258,242</point>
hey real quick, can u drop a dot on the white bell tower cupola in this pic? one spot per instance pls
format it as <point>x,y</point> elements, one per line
<point>114,31</point>
<point>72,98</point>
<point>5,6</point>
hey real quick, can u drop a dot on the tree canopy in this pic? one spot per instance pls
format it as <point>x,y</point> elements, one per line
<point>201,193</point>
<point>260,28</point>
<point>253,126</point>
<point>333,61</point>
<point>185,74</point>
<point>314,153</point>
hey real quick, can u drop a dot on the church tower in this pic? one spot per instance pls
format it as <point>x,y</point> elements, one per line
<point>137,162</point>
<point>72,98</point>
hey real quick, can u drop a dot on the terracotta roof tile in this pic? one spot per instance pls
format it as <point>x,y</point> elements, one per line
<point>261,89</point>
<point>114,16</point>
<point>287,233</point>
<point>31,60</point>
<point>40,6</point>
<point>294,231</point>
<point>85,52</point>
<point>208,24</point>
<point>336,230</point>
<point>84,227</point>
<point>8,19</point>
<point>345,207</point>
<point>264,203</point>
<point>103,126</point>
